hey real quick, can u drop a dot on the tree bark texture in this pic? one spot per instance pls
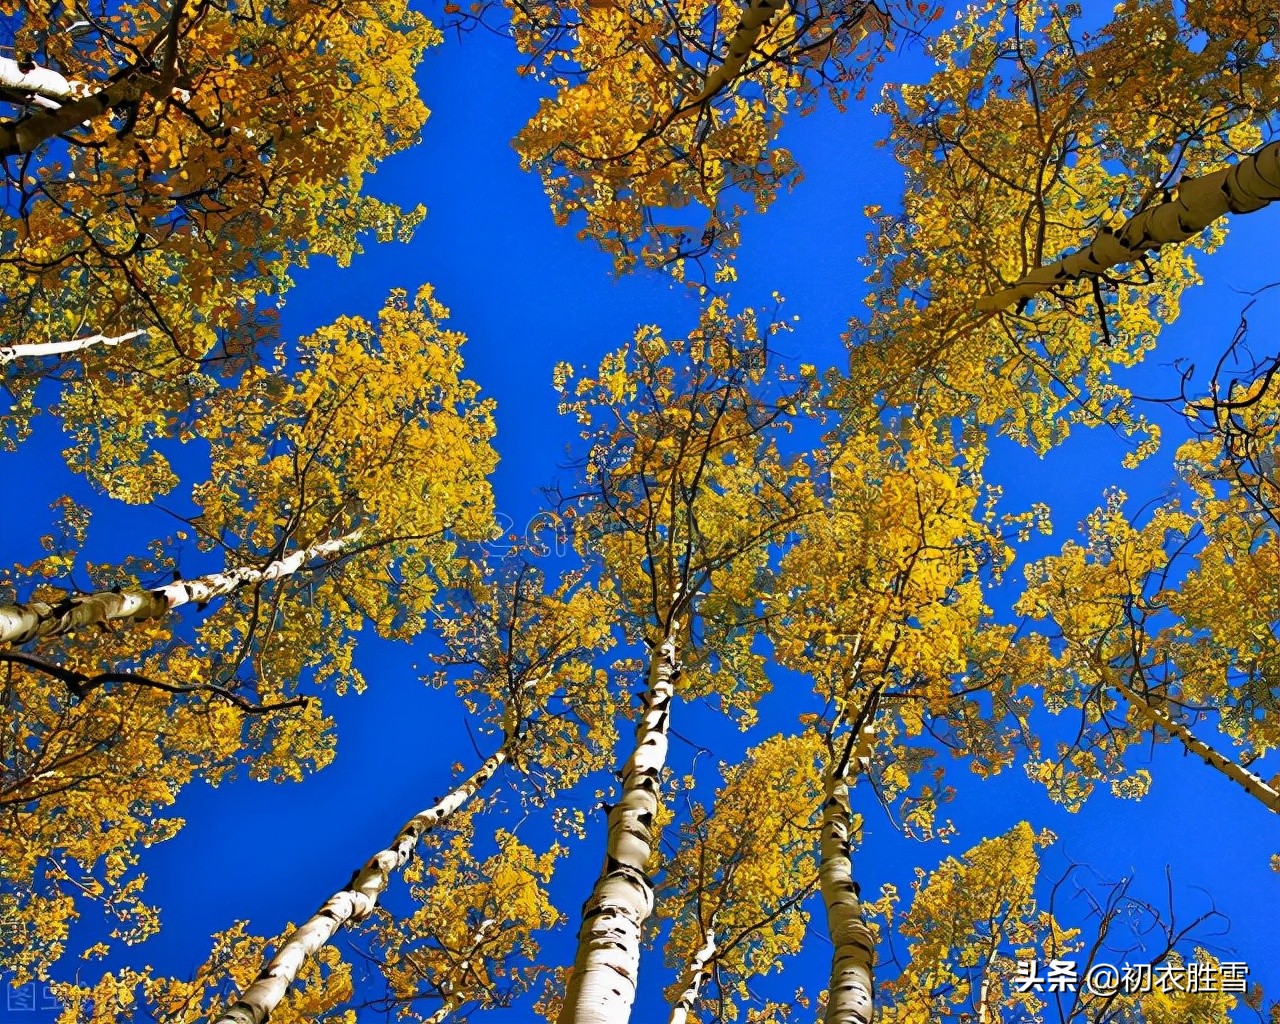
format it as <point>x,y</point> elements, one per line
<point>755,19</point>
<point>42,87</point>
<point>602,987</point>
<point>1244,187</point>
<point>691,981</point>
<point>353,903</point>
<point>1238,773</point>
<point>851,994</point>
<point>21,623</point>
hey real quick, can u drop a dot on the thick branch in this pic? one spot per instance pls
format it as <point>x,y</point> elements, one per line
<point>129,87</point>
<point>8,353</point>
<point>1244,187</point>
<point>353,903</point>
<point>691,981</point>
<point>42,87</point>
<point>1254,786</point>
<point>20,623</point>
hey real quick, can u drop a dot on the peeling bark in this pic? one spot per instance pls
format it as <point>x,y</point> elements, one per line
<point>691,982</point>
<point>20,623</point>
<point>354,903</point>
<point>602,986</point>
<point>851,994</point>
<point>1244,187</point>
<point>1267,795</point>
<point>8,353</point>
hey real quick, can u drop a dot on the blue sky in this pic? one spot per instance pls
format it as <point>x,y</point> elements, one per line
<point>529,295</point>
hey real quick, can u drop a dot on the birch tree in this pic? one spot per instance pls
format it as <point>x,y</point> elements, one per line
<point>880,603</point>
<point>684,494</point>
<point>1030,140</point>
<point>658,108</point>
<point>174,183</point>
<point>742,872</point>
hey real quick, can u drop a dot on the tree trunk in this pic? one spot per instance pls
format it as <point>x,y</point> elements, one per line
<point>46,88</point>
<point>353,903</point>
<point>20,623</point>
<point>755,19</point>
<point>691,983</point>
<point>450,1001</point>
<point>25,134</point>
<point>8,353</point>
<point>1238,773</point>
<point>602,986</point>
<point>851,994</point>
<point>1244,187</point>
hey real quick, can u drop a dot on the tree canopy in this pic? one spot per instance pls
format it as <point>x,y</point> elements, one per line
<point>651,645</point>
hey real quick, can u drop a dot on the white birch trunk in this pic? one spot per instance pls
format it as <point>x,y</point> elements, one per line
<point>353,903</point>
<point>8,353</point>
<point>851,994</point>
<point>1244,187</point>
<point>1238,773</point>
<point>46,88</point>
<point>449,989</point>
<point>691,981</point>
<point>25,134</point>
<point>602,986</point>
<point>20,623</point>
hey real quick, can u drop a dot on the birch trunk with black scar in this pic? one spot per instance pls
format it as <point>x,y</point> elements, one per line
<point>851,994</point>
<point>1267,795</point>
<point>20,623</point>
<point>602,986</point>
<point>8,353</point>
<point>691,981</point>
<point>1244,187</point>
<point>43,87</point>
<point>354,903</point>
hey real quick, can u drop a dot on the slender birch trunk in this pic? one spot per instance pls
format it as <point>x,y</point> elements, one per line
<point>1244,187</point>
<point>46,87</point>
<point>691,981</point>
<point>20,623</point>
<point>354,903</point>
<point>1238,773</point>
<point>8,353</point>
<point>851,994</point>
<point>451,1001</point>
<point>602,986</point>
